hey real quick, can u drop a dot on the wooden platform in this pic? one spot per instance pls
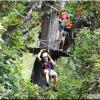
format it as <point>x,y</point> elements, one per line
<point>52,52</point>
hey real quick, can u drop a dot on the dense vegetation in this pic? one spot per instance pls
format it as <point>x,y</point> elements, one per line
<point>79,74</point>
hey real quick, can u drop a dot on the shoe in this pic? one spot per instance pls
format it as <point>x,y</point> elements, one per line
<point>61,49</point>
<point>55,89</point>
<point>47,84</point>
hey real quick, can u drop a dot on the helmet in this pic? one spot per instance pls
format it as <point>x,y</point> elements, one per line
<point>62,9</point>
<point>45,54</point>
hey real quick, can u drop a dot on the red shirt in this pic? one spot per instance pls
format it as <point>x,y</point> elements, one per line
<point>64,16</point>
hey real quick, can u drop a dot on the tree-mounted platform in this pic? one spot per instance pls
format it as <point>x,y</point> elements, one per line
<point>54,53</point>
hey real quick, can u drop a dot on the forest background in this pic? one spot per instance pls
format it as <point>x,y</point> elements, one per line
<point>79,74</point>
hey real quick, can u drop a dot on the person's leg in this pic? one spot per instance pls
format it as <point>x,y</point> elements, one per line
<point>68,31</point>
<point>55,76</point>
<point>46,72</point>
<point>62,43</point>
<point>63,36</point>
<point>55,80</point>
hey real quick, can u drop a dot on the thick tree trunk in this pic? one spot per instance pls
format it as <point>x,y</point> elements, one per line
<point>49,33</point>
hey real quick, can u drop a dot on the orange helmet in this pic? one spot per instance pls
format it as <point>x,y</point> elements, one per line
<point>62,9</point>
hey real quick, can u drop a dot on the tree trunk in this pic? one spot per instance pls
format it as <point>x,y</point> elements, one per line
<point>49,41</point>
<point>49,33</point>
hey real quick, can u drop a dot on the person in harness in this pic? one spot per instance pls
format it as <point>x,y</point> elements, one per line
<point>65,26</point>
<point>47,66</point>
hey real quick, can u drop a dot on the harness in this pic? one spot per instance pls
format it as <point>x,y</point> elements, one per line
<point>47,65</point>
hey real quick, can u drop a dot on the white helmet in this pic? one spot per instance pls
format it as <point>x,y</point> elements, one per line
<point>44,54</point>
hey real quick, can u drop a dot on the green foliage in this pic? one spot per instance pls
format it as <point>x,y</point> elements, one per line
<point>70,9</point>
<point>35,16</point>
<point>12,84</point>
<point>68,83</point>
<point>85,49</point>
<point>75,72</point>
<point>11,13</point>
<point>17,40</point>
